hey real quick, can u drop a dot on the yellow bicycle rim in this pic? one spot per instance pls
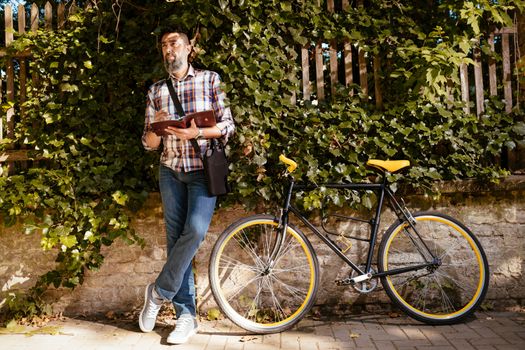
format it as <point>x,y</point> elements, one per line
<point>479,259</point>
<point>310,266</point>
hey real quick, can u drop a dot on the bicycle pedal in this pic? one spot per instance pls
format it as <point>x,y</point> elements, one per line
<point>344,282</point>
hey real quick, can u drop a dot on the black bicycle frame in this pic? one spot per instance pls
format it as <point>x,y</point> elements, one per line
<point>382,190</point>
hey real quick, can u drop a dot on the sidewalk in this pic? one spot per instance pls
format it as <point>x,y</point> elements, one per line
<point>492,330</point>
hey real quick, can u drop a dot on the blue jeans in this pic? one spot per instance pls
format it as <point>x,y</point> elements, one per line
<point>188,209</point>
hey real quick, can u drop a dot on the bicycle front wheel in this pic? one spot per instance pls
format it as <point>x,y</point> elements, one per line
<point>255,293</point>
<point>448,290</point>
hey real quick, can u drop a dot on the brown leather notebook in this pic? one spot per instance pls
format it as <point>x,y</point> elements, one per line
<point>204,119</point>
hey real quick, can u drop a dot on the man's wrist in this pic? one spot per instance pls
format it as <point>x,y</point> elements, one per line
<point>199,135</point>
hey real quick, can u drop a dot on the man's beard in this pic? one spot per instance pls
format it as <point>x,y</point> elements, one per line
<point>173,66</point>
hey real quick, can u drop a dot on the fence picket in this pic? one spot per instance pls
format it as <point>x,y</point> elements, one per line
<point>377,82</point>
<point>478,81</point>
<point>465,96</point>
<point>333,66</point>
<point>22,61</point>
<point>48,16</point>
<point>61,15</point>
<point>493,88</point>
<point>347,54</point>
<point>319,70</point>
<point>10,71</point>
<point>305,65</point>
<point>10,79</point>
<point>21,19</point>
<point>333,55</point>
<point>507,78</point>
<point>34,18</point>
<point>349,73</point>
<point>363,77</point>
<point>73,8</point>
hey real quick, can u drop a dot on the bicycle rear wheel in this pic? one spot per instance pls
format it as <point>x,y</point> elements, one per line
<point>446,292</point>
<point>254,293</point>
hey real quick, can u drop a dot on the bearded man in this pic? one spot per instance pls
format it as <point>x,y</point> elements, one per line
<point>187,206</point>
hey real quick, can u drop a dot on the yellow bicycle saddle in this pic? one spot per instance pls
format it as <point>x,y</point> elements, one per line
<point>388,165</point>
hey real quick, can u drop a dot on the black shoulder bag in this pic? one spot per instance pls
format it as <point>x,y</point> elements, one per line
<point>214,160</point>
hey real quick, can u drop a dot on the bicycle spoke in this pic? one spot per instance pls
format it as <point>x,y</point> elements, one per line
<point>253,293</point>
<point>230,263</point>
<point>268,238</point>
<point>448,290</point>
<point>254,304</point>
<point>242,287</point>
<point>457,283</point>
<point>410,279</point>
<point>450,249</point>
<point>462,263</point>
<point>285,251</point>
<point>418,243</point>
<point>275,300</point>
<point>421,301</point>
<point>447,305</point>
<point>251,250</point>
<point>289,269</point>
<point>293,291</point>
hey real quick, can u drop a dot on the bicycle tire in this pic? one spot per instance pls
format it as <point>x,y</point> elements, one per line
<point>444,294</point>
<point>256,298</point>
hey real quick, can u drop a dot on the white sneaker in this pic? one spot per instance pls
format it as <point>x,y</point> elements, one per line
<point>151,308</point>
<point>185,327</point>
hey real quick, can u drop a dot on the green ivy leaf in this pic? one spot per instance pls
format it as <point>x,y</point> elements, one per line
<point>68,241</point>
<point>66,87</point>
<point>120,198</point>
<point>519,128</point>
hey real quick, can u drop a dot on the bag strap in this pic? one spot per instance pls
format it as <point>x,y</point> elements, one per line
<point>180,112</point>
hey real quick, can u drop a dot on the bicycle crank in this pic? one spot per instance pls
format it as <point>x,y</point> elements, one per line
<point>361,283</point>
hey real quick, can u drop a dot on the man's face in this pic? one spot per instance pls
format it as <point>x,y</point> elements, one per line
<point>175,50</point>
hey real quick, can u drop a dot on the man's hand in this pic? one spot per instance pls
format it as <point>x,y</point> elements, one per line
<point>161,115</point>
<point>184,134</point>
<point>152,139</point>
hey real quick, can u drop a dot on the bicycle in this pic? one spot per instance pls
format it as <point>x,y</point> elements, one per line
<point>264,272</point>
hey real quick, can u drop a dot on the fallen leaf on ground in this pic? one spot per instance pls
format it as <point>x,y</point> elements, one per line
<point>18,329</point>
<point>48,330</point>
<point>213,314</point>
<point>247,338</point>
<point>13,328</point>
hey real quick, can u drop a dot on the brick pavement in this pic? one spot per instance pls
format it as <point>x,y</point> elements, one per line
<point>487,331</point>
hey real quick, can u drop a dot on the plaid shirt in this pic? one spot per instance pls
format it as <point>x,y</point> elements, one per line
<point>198,91</point>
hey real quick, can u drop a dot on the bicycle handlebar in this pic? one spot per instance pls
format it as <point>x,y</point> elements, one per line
<point>291,164</point>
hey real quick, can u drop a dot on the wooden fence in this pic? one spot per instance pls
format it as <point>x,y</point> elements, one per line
<point>17,94</point>
<point>331,60</point>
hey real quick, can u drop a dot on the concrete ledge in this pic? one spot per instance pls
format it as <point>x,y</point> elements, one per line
<point>511,183</point>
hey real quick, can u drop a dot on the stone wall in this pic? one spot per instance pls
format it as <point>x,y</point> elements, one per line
<point>495,213</point>
<point>520,16</point>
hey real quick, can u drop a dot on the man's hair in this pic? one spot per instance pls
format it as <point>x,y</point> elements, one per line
<point>174,29</point>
